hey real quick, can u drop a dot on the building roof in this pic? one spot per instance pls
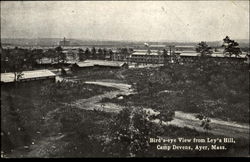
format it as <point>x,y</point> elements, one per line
<point>9,77</point>
<point>157,45</point>
<point>143,50</point>
<point>51,61</point>
<point>45,60</point>
<point>70,61</point>
<point>215,54</point>
<point>189,54</point>
<point>84,64</point>
<point>89,63</point>
<point>187,46</point>
<point>186,51</point>
<point>149,54</point>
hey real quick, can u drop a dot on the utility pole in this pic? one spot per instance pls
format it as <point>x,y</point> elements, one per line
<point>64,41</point>
<point>171,52</point>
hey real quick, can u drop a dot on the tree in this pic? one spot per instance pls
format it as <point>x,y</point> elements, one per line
<point>130,50</point>
<point>165,56</point>
<point>204,49</point>
<point>105,53</point>
<point>81,54</point>
<point>125,53</point>
<point>100,54</point>
<point>129,133</point>
<point>50,53</point>
<point>37,54</point>
<point>204,64</point>
<point>87,53</point>
<point>204,121</point>
<point>93,53</point>
<point>111,54</point>
<point>231,47</point>
<point>4,60</point>
<point>60,55</point>
<point>16,62</point>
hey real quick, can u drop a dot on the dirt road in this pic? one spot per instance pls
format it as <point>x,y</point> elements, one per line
<point>181,119</point>
<point>93,103</point>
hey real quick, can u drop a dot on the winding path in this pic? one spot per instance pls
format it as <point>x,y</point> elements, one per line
<point>181,119</point>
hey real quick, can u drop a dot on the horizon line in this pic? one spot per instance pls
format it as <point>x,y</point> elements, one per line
<point>118,40</point>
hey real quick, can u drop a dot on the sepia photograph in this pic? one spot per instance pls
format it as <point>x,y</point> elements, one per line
<point>125,79</point>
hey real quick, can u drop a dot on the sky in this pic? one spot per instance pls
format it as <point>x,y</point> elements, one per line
<point>136,21</point>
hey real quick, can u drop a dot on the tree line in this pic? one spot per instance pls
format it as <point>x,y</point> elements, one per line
<point>20,59</point>
<point>103,53</point>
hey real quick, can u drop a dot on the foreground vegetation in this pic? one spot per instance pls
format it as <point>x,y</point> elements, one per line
<point>126,134</point>
<point>26,110</point>
<point>31,116</point>
<point>100,134</point>
<point>206,87</point>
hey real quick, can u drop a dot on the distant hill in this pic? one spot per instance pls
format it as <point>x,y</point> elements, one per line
<point>243,42</point>
<point>79,42</point>
<point>30,42</point>
<point>55,42</point>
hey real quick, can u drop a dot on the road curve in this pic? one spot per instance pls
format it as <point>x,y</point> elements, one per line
<point>181,119</point>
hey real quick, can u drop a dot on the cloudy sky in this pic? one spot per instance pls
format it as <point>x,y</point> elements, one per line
<point>114,20</point>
